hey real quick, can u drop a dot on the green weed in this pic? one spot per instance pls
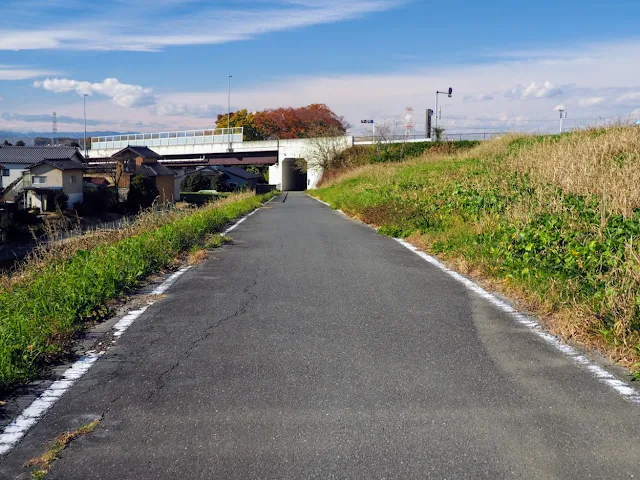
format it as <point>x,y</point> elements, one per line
<point>42,308</point>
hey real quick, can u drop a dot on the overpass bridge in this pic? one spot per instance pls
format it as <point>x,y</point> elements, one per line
<point>226,147</point>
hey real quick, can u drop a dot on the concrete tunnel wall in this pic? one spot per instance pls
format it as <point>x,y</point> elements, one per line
<point>302,148</point>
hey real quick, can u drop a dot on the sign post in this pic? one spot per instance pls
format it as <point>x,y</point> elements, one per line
<point>373,128</point>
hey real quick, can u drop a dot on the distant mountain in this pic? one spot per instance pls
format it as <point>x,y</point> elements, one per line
<point>44,138</point>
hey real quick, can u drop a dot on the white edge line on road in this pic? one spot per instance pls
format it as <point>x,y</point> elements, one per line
<point>627,391</point>
<point>18,428</point>
<point>624,389</point>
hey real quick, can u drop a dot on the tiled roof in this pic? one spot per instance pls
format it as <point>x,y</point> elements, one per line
<point>31,155</point>
<point>153,170</point>
<point>61,164</point>
<point>144,152</point>
<point>240,172</point>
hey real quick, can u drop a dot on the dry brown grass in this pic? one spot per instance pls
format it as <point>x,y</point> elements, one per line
<point>42,464</point>
<point>600,162</point>
<point>66,242</point>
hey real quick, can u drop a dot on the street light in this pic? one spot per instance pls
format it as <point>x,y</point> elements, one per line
<point>448,93</point>
<point>84,98</point>
<point>229,115</point>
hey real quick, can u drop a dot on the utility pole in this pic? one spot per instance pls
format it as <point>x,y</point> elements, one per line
<point>563,115</point>
<point>448,93</point>
<point>54,139</point>
<point>229,115</point>
<point>85,125</point>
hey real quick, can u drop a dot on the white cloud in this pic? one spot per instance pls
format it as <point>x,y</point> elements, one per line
<point>481,97</point>
<point>118,25</point>
<point>631,98</point>
<point>557,108</point>
<point>584,72</point>
<point>11,72</point>
<point>590,101</point>
<point>170,109</point>
<point>534,91</point>
<point>122,94</point>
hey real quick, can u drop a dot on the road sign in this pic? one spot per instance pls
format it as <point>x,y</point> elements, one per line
<point>366,121</point>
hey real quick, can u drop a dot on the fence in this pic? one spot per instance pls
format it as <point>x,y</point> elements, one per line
<point>447,137</point>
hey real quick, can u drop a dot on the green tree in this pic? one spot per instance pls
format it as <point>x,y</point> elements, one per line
<point>438,131</point>
<point>20,143</point>
<point>197,182</point>
<point>142,193</point>
<point>260,170</point>
<point>7,144</point>
<point>244,119</point>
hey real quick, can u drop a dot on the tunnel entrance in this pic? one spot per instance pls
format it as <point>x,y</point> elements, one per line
<point>294,175</point>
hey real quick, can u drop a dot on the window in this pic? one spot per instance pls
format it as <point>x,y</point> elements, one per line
<point>72,179</point>
<point>5,172</point>
<point>38,179</point>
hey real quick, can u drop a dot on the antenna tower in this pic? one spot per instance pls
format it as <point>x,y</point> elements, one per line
<point>408,122</point>
<point>55,129</point>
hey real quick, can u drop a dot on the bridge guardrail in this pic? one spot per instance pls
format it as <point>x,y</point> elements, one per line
<point>166,139</point>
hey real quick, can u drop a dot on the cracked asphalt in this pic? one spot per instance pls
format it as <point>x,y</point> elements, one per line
<point>314,348</point>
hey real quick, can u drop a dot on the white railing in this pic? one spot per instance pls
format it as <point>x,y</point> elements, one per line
<point>167,139</point>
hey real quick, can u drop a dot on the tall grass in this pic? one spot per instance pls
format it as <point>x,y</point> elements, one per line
<point>50,297</point>
<point>551,220</point>
<point>602,162</point>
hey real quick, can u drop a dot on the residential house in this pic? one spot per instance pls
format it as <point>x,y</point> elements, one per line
<point>16,160</point>
<point>51,177</point>
<point>228,178</point>
<point>234,178</point>
<point>132,161</point>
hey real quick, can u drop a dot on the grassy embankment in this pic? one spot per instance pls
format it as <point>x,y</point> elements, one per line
<point>552,221</point>
<point>59,289</point>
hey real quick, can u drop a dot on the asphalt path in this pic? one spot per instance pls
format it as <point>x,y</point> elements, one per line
<point>314,348</point>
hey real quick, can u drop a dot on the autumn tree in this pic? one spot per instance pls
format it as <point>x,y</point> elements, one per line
<point>316,120</point>
<point>244,119</point>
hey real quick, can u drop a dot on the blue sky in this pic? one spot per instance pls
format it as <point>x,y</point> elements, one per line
<point>163,64</point>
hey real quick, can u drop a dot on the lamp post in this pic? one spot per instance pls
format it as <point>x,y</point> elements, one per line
<point>448,93</point>
<point>229,115</point>
<point>84,98</point>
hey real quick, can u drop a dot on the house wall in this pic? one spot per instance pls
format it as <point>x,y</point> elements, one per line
<point>54,175</point>
<point>165,187</point>
<point>60,178</point>
<point>239,181</point>
<point>15,172</point>
<point>34,200</point>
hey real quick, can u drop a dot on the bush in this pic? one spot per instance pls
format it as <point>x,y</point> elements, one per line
<point>142,193</point>
<point>19,225</point>
<point>97,201</point>
<point>61,201</point>
<point>197,182</point>
<point>199,198</point>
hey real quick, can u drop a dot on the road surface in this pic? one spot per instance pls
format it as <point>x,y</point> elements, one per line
<point>314,348</point>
